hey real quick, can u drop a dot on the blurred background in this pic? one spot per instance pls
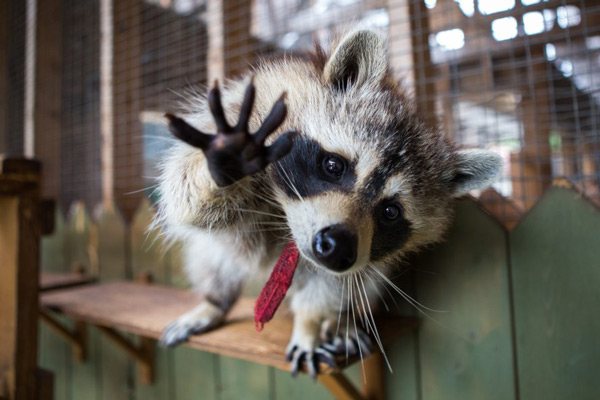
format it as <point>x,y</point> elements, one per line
<point>84,85</point>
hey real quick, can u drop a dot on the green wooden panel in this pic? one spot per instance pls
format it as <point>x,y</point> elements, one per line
<point>54,352</point>
<point>466,352</point>
<point>148,254</point>
<point>117,370</point>
<point>80,249</point>
<point>194,373</point>
<point>402,382</point>
<point>300,388</point>
<point>556,279</point>
<point>243,380</point>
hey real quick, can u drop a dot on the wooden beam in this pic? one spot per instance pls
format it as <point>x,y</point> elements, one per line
<point>76,337</point>
<point>375,372</point>
<point>230,45</point>
<point>128,157</point>
<point>410,55</point>
<point>3,73</point>
<point>19,258</point>
<point>47,93</point>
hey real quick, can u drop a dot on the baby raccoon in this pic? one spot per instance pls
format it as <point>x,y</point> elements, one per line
<point>350,175</point>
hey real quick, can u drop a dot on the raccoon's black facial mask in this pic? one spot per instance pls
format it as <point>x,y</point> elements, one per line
<point>309,170</point>
<point>392,229</point>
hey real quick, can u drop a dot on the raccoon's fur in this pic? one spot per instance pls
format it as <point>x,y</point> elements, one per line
<point>393,195</point>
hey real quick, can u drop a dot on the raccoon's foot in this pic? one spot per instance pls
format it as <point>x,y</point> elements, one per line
<point>346,340</point>
<point>234,153</point>
<point>204,317</point>
<point>304,347</point>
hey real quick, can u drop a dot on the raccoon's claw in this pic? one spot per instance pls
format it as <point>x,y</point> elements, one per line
<point>233,153</point>
<point>351,344</point>
<point>312,359</point>
<point>198,320</point>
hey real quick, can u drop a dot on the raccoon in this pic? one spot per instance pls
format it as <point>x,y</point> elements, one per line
<point>340,164</point>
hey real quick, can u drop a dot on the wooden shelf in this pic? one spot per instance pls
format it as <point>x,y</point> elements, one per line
<point>145,309</point>
<point>55,280</point>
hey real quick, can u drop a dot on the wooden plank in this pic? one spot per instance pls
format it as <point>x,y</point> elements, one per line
<point>127,84</point>
<point>4,13</point>
<point>124,305</point>
<point>48,96</point>
<point>148,256</point>
<point>55,353</point>
<point>202,378</point>
<point>81,252</point>
<point>555,252</point>
<point>466,352</point>
<point>113,242</point>
<point>19,257</point>
<point>61,280</point>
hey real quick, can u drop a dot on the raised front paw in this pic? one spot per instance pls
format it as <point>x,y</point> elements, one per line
<point>233,152</point>
<point>201,319</point>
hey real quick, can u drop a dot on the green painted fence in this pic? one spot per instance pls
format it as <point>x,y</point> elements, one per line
<point>517,319</point>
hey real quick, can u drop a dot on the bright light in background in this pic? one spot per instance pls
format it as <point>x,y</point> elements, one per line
<point>568,16</point>
<point>592,42</point>
<point>533,23</point>
<point>467,7</point>
<point>430,3</point>
<point>504,28</point>
<point>487,7</point>
<point>566,67</point>
<point>451,39</point>
<point>550,52</point>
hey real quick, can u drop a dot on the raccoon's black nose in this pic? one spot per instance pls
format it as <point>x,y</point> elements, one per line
<point>335,246</point>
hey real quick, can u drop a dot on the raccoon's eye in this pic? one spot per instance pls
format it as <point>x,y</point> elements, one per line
<point>334,166</point>
<point>391,212</point>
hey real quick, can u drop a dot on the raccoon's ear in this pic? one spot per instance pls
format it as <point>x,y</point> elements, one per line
<point>476,169</point>
<point>360,57</point>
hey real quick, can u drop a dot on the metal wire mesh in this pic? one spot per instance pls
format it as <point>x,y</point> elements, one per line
<point>516,76</point>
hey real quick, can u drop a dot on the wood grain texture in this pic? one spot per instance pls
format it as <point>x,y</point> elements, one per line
<point>555,254</point>
<point>466,351</point>
<point>125,306</point>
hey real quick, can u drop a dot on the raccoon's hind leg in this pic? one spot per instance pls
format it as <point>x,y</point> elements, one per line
<point>216,265</point>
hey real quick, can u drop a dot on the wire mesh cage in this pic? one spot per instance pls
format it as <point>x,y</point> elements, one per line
<point>84,83</point>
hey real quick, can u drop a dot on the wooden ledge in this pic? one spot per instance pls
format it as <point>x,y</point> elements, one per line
<point>59,280</point>
<point>145,309</point>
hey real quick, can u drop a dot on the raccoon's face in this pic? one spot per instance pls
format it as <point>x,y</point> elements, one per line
<point>365,181</point>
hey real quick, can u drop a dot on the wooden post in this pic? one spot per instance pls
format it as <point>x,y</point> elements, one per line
<point>409,53</point>
<point>19,258</point>
<point>230,45</point>
<point>47,93</point>
<point>127,141</point>
<point>3,73</point>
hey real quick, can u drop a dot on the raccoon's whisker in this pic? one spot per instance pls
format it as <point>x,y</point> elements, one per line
<point>347,318</point>
<point>412,301</point>
<point>341,306</point>
<point>363,311</point>
<point>357,337</point>
<point>142,190</point>
<point>262,213</point>
<point>289,182</point>
<point>375,331</point>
